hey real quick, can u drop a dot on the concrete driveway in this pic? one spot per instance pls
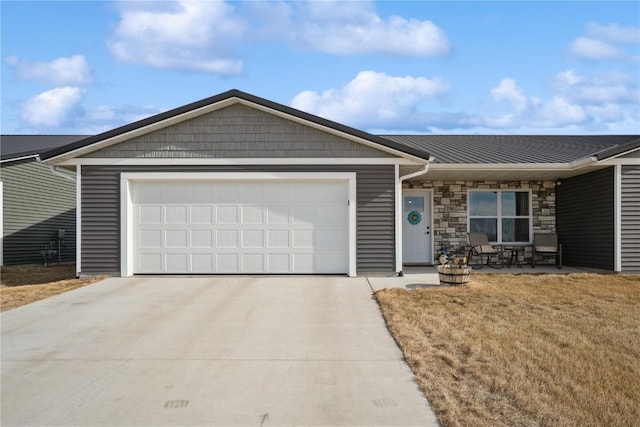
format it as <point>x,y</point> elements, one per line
<point>237,351</point>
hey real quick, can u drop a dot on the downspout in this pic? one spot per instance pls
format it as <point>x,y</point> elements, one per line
<point>425,169</point>
<point>422,171</point>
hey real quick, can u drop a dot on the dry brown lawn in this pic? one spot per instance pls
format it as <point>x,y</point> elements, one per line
<point>20,285</point>
<point>526,350</point>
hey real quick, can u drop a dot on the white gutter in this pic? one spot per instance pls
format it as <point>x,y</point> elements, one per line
<point>55,170</point>
<point>15,159</point>
<point>425,169</point>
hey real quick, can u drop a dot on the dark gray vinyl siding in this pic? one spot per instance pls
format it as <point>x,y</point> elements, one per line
<point>585,219</point>
<point>375,238</point>
<point>36,204</point>
<point>630,218</point>
<point>238,132</point>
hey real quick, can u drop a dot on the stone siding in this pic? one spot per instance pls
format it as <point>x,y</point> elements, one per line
<point>450,208</point>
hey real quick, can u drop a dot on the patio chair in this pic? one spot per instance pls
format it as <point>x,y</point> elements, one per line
<point>546,245</point>
<point>481,247</point>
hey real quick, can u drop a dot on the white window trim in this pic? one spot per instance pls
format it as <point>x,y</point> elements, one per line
<point>126,202</point>
<point>499,216</point>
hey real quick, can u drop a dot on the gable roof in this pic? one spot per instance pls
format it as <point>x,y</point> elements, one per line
<point>518,149</point>
<point>19,146</point>
<point>225,99</point>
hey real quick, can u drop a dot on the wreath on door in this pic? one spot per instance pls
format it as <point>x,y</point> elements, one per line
<point>414,217</point>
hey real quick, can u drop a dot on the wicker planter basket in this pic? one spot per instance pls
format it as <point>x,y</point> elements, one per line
<point>454,274</point>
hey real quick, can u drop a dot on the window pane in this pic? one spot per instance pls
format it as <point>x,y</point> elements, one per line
<point>483,203</point>
<point>414,204</point>
<point>515,230</point>
<point>486,225</point>
<point>515,203</point>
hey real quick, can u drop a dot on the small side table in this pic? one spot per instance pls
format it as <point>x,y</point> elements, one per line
<point>516,251</point>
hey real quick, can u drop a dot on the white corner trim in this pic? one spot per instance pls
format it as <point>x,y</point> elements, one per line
<point>126,203</point>
<point>78,220</point>
<point>617,220</point>
<point>398,214</point>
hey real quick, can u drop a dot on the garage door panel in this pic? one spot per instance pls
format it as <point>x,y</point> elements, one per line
<point>151,238</point>
<point>303,214</point>
<point>176,214</point>
<point>252,239</point>
<point>176,262</point>
<point>202,263</point>
<point>253,262</point>
<point>227,239</point>
<point>201,214</point>
<point>227,214</point>
<point>227,263</point>
<point>151,262</point>
<point>227,192</point>
<point>252,214</point>
<point>176,239</point>
<point>240,227</point>
<point>302,262</point>
<point>150,214</point>
<point>277,214</point>
<point>202,238</point>
<point>303,238</point>
<point>330,239</point>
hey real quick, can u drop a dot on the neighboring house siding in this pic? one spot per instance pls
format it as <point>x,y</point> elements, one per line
<point>36,204</point>
<point>630,218</point>
<point>238,132</point>
<point>375,243</point>
<point>585,222</point>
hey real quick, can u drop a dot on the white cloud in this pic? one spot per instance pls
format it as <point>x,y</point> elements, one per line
<point>339,27</point>
<point>51,108</point>
<point>614,33</point>
<point>605,42</point>
<point>612,87</point>
<point>508,90</point>
<point>73,70</point>
<point>185,35</point>
<point>591,49</point>
<point>608,102</point>
<point>373,100</point>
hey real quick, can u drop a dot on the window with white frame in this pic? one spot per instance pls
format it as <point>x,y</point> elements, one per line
<point>505,215</point>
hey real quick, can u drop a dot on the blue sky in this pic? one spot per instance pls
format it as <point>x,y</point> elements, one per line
<point>385,67</point>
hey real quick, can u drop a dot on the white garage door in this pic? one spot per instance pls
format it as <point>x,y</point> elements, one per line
<point>240,227</point>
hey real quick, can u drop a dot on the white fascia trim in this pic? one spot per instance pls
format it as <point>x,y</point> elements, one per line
<point>78,220</point>
<point>624,161</point>
<point>213,107</point>
<point>624,153</point>
<point>617,219</point>
<point>239,161</point>
<point>126,204</point>
<point>510,166</point>
<point>15,159</point>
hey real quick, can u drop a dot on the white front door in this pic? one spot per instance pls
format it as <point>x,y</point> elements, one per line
<point>416,226</point>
